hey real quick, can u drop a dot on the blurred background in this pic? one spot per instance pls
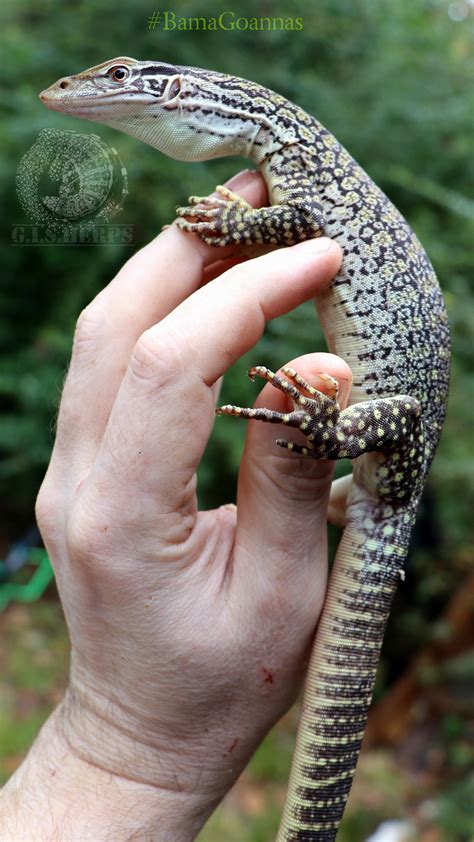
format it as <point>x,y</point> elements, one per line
<point>394,82</point>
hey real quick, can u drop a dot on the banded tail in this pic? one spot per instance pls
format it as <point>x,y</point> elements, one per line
<point>342,671</point>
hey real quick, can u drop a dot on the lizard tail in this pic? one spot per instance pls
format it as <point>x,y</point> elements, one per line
<point>342,669</point>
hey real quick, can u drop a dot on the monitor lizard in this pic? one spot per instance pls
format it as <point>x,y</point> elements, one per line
<point>384,314</point>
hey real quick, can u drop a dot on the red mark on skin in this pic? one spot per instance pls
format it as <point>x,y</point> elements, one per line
<point>268,676</point>
<point>231,747</point>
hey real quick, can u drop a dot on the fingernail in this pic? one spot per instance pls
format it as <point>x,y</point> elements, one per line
<point>241,179</point>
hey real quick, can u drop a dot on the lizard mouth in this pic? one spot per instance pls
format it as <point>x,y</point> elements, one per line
<point>56,100</point>
<point>98,104</point>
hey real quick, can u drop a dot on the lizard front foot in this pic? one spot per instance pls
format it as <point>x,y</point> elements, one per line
<point>227,219</point>
<point>217,220</point>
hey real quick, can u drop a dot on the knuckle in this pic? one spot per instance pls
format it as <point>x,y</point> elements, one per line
<point>46,511</point>
<point>90,324</point>
<point>158,358</point>
<point>49,509</point>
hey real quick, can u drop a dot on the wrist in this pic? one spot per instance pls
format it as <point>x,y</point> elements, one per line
<point>58,795</point>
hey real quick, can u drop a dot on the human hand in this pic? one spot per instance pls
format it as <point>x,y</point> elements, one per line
<point>190,631</point>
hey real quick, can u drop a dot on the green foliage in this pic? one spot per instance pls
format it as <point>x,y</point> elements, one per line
<point>33,669</point>
<point>456,816</point>
<point>16,741</point>
<point>272,759</point>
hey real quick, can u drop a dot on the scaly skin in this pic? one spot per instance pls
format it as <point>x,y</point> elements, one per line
<point>384,314</point>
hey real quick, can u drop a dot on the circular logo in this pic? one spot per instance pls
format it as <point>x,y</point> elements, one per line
<point>68,178</point>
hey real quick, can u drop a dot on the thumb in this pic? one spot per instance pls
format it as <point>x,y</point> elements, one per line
<point>282,496</point>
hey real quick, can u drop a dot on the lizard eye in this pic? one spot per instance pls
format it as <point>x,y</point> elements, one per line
<point>119,73</point>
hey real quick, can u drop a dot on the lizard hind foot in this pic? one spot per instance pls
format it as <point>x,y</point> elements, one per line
<point>293,385</point>
<point>379,425</point>
<point>329,383</point>
<point>304,450</point>
<point>315,414</point>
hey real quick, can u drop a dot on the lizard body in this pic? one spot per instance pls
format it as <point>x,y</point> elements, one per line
<point>384,314</point>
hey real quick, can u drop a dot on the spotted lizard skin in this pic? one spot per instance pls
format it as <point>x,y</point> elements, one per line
<point>384,314</point>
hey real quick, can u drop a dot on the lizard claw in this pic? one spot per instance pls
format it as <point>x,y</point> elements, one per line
<point>214,201</point>
<point>230,196</point>
<point>201,213</point>
<point>197,227</point>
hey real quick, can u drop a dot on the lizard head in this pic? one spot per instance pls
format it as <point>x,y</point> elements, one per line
<point>188,113</point>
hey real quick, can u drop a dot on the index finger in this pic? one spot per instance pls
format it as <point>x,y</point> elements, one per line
<point>153,282</point>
